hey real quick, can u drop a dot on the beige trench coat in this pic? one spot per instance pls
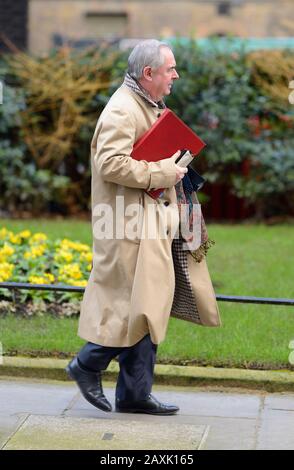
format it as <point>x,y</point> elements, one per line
<point>131,286</point>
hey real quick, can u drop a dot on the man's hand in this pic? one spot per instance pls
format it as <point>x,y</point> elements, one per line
<point>180,172</point>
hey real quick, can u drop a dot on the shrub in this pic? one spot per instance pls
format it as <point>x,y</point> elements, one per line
<point>237,102</point>
<point>62,95</point>
<point>23,185</point>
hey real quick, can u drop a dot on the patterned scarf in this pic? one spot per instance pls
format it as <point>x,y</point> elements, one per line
<point>137,88</point>
<point>185,189</point>
<point>188,201</point>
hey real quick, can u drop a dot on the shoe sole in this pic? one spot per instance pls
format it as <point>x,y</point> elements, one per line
<point>170,413</point>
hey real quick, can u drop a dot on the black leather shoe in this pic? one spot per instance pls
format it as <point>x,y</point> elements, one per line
<point>150,406</point>
<point>89,384</point>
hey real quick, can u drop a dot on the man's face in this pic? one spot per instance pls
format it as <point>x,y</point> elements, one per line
<point>164,76</point>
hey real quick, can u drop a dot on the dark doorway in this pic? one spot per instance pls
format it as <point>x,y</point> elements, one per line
<point>13,24</point>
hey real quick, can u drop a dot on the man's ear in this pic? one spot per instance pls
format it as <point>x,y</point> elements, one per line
<point>147,73</point>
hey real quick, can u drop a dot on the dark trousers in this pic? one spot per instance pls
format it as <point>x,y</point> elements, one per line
<point>136,364</point>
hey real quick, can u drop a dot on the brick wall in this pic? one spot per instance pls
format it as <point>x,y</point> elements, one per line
<point>92,19</point>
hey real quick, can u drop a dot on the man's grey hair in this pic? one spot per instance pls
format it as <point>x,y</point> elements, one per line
<point>146,53</point>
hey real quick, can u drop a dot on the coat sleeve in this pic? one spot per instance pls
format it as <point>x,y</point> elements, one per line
<point>115,139</point>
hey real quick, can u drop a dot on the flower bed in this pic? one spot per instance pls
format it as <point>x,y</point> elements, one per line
<point>34,258</point>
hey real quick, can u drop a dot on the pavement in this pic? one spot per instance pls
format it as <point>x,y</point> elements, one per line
<point>42,413</point>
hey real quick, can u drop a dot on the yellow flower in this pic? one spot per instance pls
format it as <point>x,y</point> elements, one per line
<point>70,271</point>
<point>15,239</point>
<point>3,233</point>
<point>18,238</point>
<point>62,256</point>
<point>82,247</point>
<point>49,277</point>
<point>6,270</point>
<point>38,238</point>
<point>6,251</point>
<point>86,256</point>
<point>89,267</point>
<point>25,234</point>
<point>36,252</point>
<point>46,278</point>
<point>80,283</point>
<point>68,244</point>
<point>37,280</point>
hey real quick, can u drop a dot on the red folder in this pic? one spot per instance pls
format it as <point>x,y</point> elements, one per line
<point>167,135</point>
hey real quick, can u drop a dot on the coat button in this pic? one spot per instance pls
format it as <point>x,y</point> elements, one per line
<point>167,232</point>
<point>166,203</point>
<point>158,115</point>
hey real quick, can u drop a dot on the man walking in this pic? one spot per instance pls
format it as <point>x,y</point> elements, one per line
<point>128,299</point>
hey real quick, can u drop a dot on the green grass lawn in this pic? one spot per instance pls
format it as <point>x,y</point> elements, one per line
<point>255,260</point>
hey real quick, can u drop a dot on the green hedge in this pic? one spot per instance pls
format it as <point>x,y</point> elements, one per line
<point>236,101</point>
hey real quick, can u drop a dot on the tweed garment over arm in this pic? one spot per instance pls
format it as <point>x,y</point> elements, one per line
<point>184,305</point>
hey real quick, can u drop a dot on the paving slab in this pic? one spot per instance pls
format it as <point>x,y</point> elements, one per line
<point>280,401</point>
<point>63,433</point>
<point>276,429</point>
<point>9,423</point>
<point>28,397</point>
<point>223,413</point>
<point>229,433</point>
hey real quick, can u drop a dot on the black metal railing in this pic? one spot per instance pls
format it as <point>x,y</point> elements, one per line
<point>222,298</point>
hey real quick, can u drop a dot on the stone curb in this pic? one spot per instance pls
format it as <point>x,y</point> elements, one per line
<point>48,368</point>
